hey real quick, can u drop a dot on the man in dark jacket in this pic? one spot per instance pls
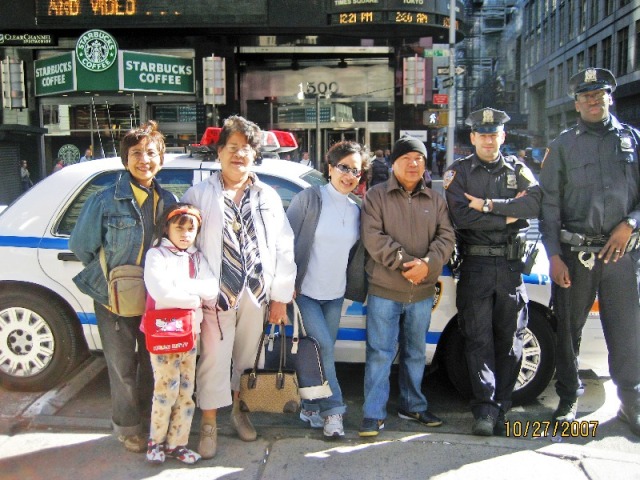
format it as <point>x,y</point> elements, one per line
<point>490,197</point>
<point>590,212</point>
<point>408,235</point>
<point>379,169</point>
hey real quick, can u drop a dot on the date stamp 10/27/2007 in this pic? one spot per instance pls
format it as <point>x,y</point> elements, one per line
<point>536,428</point>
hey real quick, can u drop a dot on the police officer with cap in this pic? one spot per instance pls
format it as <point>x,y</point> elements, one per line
<point>590,212</point>
<point>490,196</point>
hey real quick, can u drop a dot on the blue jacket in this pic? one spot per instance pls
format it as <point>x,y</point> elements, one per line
<point>110,218</point>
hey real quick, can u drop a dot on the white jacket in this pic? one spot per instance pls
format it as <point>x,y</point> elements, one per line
<point>274,234</point>
<point>166,276</point>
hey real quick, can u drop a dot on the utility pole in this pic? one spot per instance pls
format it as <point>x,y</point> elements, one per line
<point>452,88</point>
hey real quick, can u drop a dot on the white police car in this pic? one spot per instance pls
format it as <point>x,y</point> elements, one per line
<point>47,326</point>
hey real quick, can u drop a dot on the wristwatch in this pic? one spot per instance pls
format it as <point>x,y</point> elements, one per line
<point>632,222</point>
<point>485,206</point>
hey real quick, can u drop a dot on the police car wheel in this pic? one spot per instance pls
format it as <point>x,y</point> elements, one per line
<point>538,364</point>
<point>38,341</point>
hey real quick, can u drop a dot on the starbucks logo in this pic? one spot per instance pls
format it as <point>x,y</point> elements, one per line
<point>96,50</point>
<point>69,154</point>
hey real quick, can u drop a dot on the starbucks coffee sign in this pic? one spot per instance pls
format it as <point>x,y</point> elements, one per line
<point>96,50</point>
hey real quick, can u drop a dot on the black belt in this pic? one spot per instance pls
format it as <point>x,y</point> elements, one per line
<point>485,250</point>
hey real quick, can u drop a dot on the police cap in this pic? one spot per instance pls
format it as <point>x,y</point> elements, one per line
<point>487,120</point>
<point>591,79</point>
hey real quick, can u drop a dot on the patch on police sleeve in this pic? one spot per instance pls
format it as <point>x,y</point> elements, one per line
<point>527,175</point>
<point>546,154</point>
<point>449,175</point>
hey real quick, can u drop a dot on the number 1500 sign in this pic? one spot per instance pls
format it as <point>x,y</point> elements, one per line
<point>322,88</point>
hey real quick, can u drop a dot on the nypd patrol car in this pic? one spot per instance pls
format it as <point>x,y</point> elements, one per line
<point>47,326</point>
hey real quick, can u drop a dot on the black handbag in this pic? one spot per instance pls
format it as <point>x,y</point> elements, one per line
<point>302,354</point>
<point>269,390</point>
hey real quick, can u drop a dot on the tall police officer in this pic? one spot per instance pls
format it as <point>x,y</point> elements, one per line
<point>490,196</point>
<point>590,213</point>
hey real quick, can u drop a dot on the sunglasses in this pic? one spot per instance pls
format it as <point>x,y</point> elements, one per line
<point>342,168</point>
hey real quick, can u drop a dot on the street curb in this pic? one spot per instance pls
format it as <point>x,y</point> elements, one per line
<point>54,400</point>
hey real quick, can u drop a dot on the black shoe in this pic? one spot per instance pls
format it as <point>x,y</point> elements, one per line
<point>500,429</point>
<point>566,411</point>
<point>630,416</point>
<point>425,418</point>
<point>370,427</point>
<point>483,426</point>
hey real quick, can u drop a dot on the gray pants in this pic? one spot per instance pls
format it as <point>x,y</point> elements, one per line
<point>130,374</point>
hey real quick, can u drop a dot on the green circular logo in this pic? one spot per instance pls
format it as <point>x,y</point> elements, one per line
<point>96,50</point>
<point>69,154</point>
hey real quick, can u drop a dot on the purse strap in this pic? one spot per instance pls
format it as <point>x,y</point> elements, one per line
<point>283,345</point>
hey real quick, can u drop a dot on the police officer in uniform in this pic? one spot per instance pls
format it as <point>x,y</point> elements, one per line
<point>490,196</point>
<point>590,212</point>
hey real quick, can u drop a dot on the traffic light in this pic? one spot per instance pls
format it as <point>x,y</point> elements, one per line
<point>436,118</point>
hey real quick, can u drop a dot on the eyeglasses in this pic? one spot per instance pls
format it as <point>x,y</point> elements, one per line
<point>241,151</point>
<point>592,97</point>
<point>342,168</point>
<point>138,154</point>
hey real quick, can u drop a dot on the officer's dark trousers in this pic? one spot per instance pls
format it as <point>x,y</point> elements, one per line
<point>492,314</point>
<point>617,287</point>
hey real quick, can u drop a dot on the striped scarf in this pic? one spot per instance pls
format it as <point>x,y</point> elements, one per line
<point>241,264</point>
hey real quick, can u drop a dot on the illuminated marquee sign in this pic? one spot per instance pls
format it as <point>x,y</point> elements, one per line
<point>84,13</point>
<point>434,13</point>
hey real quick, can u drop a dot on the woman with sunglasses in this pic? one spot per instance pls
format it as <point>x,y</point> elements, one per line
<point>326,226</point>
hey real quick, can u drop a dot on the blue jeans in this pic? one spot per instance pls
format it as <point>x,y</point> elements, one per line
<point>321,320</point>
<point>384,332</point>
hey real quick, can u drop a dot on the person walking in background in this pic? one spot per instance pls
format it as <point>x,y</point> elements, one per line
<point>25,176</point>
<point>379,170</point>
<point>305,160</point>
<point>248,243</point>
<point>87,156</point>
<point>408,235</point>
<point>591,201</point>
<point>326,226</point>
<point>176,275</point>
<point>441,160</point>
<point>490,196</point>
<point>119,221</point>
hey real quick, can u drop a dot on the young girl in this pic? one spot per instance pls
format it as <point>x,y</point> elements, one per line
<point>176,275</point>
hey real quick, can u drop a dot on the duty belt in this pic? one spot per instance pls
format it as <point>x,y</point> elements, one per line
<point>485,250</point>
<point>581,242</point>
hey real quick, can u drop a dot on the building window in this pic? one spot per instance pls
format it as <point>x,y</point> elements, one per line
<point>593,56</point>
<point>606,53</point>
<point>570,71</point>
<point>623,51</point>
<point>637,62</point>
<point>570,4</point>
<point>624,2</point>
<point>561,25</point>
<point>580,61</point>
<point>608,7</point>
<point>593,17</point>
<point>560,82</point>
<point>551,84</point>
<point>582,15</point>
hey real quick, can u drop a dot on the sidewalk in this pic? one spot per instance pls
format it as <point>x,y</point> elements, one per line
<point>54,438</point>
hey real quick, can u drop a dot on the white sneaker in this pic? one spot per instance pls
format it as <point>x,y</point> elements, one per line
<point>333,426</point>
<point>312,417</point>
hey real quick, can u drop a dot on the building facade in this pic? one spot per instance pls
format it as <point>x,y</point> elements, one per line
<point>326,70</point>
